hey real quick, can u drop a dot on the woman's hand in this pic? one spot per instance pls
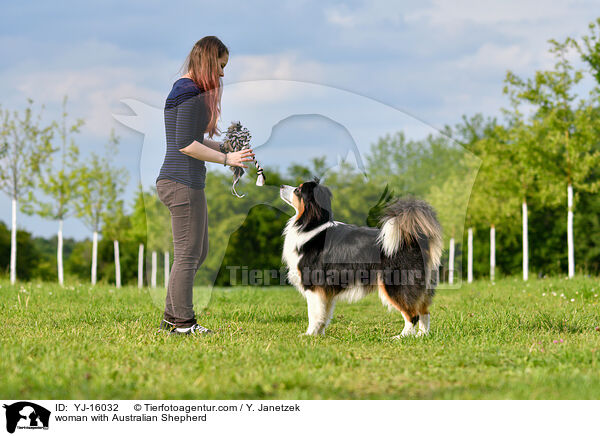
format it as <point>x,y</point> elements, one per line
<point>237,158</point>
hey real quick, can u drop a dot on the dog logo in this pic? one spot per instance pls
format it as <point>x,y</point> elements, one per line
<point>26,415</point>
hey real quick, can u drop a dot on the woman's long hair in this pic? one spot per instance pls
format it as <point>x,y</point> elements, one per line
<point>202,66</point>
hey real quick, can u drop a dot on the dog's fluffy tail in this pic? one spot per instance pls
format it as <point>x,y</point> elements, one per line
<point>409,220</point>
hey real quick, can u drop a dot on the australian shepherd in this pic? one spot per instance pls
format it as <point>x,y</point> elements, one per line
<point>328,260</point>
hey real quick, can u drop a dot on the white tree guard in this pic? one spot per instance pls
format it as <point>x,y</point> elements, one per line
<point>153,276</point>
<point>13,243</point>
<point>492,253</point>
<point>141,266</point>
<point>94,258</point>
<point>451,262</point>
<point>570,241</point>
<point>470,255</point>
<point>59,254</point>
<point>525,244</point>
<point>117,264</point>
<point>167,268</point>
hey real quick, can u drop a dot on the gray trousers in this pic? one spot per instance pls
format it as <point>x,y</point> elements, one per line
<point>189,221</point>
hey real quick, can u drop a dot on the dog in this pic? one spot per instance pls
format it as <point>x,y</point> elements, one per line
<point>329,260</point>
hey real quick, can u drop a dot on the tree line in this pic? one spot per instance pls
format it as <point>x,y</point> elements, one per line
<point>516,194</point>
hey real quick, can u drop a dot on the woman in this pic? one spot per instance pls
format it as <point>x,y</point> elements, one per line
<point>192,109</point>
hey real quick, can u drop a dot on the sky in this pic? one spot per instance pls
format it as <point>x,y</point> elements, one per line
<point>306,77</point>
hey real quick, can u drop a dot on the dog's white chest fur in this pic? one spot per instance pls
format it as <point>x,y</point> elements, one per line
<point>294,240</point>
<point>290,254</point>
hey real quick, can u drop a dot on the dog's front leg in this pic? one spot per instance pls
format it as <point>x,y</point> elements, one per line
<point>317,312</point>
<point>329,314</point>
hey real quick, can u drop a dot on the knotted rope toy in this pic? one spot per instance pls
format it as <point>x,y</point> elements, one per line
<point>237,138</point>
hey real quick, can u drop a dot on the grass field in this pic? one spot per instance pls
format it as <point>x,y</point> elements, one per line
<point>509,340</point>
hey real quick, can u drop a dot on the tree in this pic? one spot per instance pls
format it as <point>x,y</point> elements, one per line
<point>59,183</point>
<point>489,203</point>
<point>116,228</point>
<point>99,186</point>
<point>29,255</point>
<point>25,145</point>
<point>450,199</point>
<point>138,231</point>
<point>589,49</point>
<point>567,132</point>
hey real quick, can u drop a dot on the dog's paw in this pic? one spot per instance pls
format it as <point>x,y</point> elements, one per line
<point>311,333</point>
<point>401,336</point>
<point>406,333</point>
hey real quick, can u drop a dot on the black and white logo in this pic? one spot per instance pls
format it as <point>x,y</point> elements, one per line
<point>26,415</point>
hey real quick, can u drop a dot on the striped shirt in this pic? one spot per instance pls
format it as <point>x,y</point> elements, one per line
<point>186,118</point>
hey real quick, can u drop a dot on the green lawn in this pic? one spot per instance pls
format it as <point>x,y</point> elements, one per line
<point>501,341</point>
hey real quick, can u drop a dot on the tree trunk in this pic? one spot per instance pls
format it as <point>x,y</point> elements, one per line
<point>117,264</point>
<point>13,243</point>
<point>570,242</point>
<point>153,277</point>
<point>141,266</point>
<point>492,253</point>
<point>59,254</point>
<point>167,269</point>
<point>525,244</point>
<point>451,262</point>
<point>470,255</point>
<point>94,257</point>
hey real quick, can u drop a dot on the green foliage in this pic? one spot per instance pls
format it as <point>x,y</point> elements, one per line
<point>100,184</point>
<point>590,49</point>
<point>563,129</point>
<point>375,213</point>
<point>79,263</point>
<point>46,269</point>
<point>157,221</point>
<point>25,145</point>
<point>28,255</point>
<point>57,181</point>
<point>257,245</point>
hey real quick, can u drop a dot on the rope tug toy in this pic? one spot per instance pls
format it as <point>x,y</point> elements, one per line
<point>237,138</point>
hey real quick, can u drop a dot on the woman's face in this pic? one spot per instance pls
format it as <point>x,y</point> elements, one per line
<point>222,61</point>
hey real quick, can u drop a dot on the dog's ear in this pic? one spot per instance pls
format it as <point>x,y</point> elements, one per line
<point>323,197</point>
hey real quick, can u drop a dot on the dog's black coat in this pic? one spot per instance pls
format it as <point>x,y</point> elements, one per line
<point>353,252</point>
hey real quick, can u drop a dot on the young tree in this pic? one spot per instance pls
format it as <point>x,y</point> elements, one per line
<point>99,186</point>
<point>568,138</point>
<point>450,200</point>
<point>589,49</point>
<point>138,230</point>
<point>59,183</point>
<point>489,203</point>
<point>493,200</point>
<point>116,227</point>
<point>25,144</point>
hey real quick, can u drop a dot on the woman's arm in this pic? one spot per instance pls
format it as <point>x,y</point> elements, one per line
<point>215,145</point>
<point>200,151</point>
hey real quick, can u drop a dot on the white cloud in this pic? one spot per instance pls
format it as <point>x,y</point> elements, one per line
<point>492,57</point>
<point>92,92</point>
<point>274,66</point>
<point>492,12</point>
<point>340,17</point>
<point>371,13</point>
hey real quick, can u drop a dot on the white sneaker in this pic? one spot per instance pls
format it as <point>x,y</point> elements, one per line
<point>196,329</point>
